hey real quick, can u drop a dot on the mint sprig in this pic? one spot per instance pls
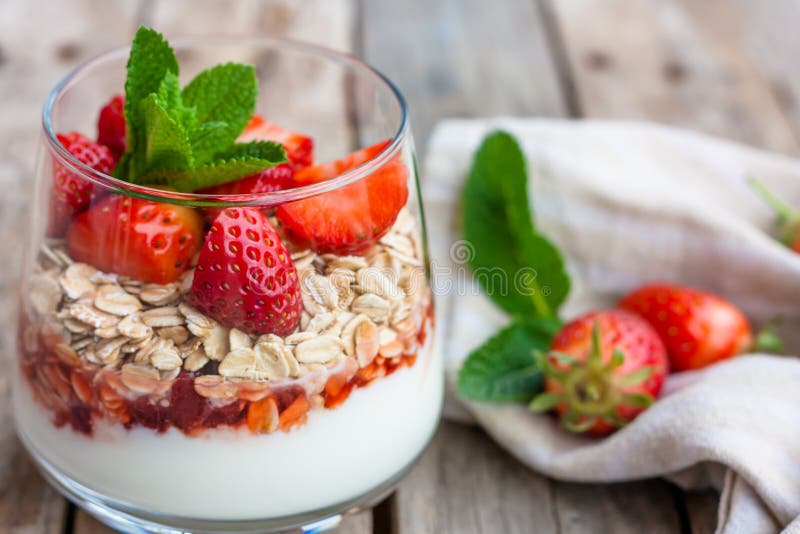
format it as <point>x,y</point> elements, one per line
<point>186,139</point>
<point>242,159</point>
<point>497,221</point>
<point>504,368</point>
<point>532,282</point>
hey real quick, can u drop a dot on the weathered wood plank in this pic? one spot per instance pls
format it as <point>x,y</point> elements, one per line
<point>619,508</point>
<point>360,523</point>
<point>462,58</point>
<point>678,62</point>
<point>86,524</point>
<point>33,60</point>
<point>28,505</point>
<point>465,484</point>
<point>768,32</point>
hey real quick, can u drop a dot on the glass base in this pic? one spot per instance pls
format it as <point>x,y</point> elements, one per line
<point>129,519</point>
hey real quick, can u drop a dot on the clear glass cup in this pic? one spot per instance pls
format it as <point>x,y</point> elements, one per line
<point>292,438</point>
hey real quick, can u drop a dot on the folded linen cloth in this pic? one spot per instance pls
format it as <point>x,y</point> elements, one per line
<point>629,203</point>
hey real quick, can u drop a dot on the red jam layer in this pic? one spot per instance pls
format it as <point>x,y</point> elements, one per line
<point>80,393</point>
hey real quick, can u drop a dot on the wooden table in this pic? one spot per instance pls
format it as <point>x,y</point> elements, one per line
<point>727,67</point>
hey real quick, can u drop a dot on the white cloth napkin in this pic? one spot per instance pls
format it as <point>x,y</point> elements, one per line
<point>629,203</point>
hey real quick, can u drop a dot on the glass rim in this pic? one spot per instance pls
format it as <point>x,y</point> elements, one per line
<point>240,199</point>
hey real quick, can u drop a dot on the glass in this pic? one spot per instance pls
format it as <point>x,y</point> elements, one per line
<point>242,432</point>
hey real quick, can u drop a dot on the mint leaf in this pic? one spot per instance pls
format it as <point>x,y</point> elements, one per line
<point>268,150</point>
<point>151,58</point>
<point>214,173</point>
<point>503,369</point>
<point>169,98</point>
<point>518,268</point>
<point>206,140</point>
<point>225,93</point>
<point>166,143</point>
<point>169,92</point>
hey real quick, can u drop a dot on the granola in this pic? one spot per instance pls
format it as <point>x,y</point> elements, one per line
<point>109,342</point>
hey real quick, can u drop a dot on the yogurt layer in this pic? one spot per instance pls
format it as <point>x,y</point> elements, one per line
<point>226,474</point>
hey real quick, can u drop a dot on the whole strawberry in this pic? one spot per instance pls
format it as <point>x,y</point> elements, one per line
<point>146,240</point>
<point>603,369</point>
<point>72,193</point>
<point>245,277</point>
<point>698,328</point>
<point>111,125</point>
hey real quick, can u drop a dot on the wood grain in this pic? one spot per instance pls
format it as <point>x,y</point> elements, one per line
<point>678,62</point>
<point>462,58</point>
<point>356,524</point>
<point>769,37</point>
<point>616,508</point>
<point>466,484</point>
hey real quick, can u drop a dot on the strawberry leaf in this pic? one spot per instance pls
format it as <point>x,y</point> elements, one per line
<point>520,269</point>
<point>504,368</point>
<point>544,402</point>
<point>637,400</point>
<point>636,377</point>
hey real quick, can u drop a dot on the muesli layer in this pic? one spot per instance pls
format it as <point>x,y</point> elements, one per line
<point>98,345</point>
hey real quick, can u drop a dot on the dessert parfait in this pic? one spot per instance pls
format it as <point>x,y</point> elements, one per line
<point>217,329</point>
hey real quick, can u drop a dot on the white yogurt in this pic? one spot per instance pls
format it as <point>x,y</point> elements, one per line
<point>233,475</point>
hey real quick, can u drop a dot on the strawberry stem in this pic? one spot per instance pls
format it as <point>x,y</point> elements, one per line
<point>788,218</point>
<point>767,340</point>
<point>595,359</point>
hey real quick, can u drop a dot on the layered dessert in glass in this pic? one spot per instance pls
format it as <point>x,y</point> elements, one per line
<point>229,337</point>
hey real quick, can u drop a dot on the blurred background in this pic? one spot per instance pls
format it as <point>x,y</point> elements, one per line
<point>727,67</point>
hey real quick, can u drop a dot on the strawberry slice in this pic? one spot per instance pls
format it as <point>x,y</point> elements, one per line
<point>299,147</point>
<point>275,178</point>
<point>71,193</point>
<point>111,125</point>
<point>351,219</point>
<point>139,238</point>
<point>245,277</point>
